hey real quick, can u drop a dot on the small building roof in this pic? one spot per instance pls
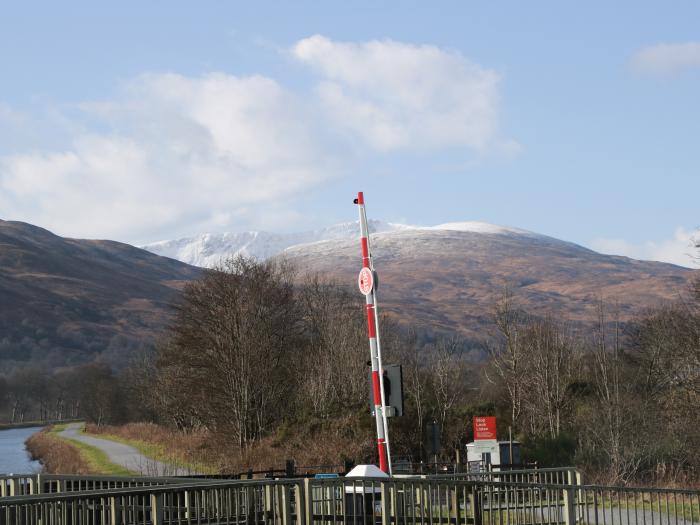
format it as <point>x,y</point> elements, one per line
<point>366,471</point>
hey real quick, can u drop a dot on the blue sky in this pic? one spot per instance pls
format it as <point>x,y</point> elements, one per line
<point>154,120</point>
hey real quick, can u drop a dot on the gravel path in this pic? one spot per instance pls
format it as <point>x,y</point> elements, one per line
<point>124,455</point>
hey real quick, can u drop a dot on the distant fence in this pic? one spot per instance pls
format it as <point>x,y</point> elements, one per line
<point>439,500</point>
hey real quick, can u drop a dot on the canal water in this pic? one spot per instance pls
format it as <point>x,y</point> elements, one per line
<point>14,458</point>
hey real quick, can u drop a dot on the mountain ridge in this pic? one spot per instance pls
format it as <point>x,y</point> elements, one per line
<point>68,301</point>
<point>447,278</point>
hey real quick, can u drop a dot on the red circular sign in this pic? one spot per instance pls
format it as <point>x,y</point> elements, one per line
<point>365,281</point>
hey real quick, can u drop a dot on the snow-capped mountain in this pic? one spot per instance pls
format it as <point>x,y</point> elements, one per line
<point>448,277</point>
<point>208,249</point>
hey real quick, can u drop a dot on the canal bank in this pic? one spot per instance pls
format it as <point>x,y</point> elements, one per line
<point>67,449</point>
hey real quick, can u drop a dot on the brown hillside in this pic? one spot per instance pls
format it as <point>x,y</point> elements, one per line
<point>68,301</point>
<point>447,280</point>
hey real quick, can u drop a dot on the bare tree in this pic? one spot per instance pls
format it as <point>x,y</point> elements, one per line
<point>447,382</point>
<point>236,336</point>
<point>617,427</point>
<point>508,357</point>
<point>666,346</point>
<point>416,378</point>
<point>553,365</point>
<point>335,347</point>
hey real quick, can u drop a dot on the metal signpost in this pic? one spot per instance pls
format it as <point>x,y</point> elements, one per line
<point>367,284</point>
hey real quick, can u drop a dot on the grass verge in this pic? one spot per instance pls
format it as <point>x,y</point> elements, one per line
<point>157,451</point>
<point>97,460</point>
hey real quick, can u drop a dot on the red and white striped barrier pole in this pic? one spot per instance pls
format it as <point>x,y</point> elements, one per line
<point>366,282</point>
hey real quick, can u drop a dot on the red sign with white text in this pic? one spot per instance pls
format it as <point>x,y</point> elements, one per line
<point>484,427</point>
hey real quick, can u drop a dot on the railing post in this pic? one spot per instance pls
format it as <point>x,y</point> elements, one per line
<point>250,504</point>
<point>580,496</point>
<point>475,505</point>
<point>454,503</point>
<point>115,510</point>
<point>14,487</point>
<point>570,505</point>
<point>157,509</point>
<point>300,502</point>
<point>307,503</point>
<point>385,491</point>
<point>188,504</point>
<point>267,504</point>
<point>286,505</point>
<point>279,504</point>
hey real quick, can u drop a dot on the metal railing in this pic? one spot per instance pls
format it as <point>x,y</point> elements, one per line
<point>17,485</point>
<point>547,476</point>
<point>33,484</point>
<point>438,500</point>
<point>253,502</point>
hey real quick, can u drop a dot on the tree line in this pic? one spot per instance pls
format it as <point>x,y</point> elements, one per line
<point>252,353</point>
<point>35,393</point>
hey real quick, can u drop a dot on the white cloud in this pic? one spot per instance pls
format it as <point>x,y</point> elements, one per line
<point>171,155</point>
<point>679,249</point>
<point>393,95</point>
<point>194,153</point>
<point>663,59</point>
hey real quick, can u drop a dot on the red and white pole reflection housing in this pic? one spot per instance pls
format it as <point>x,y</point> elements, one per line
<point>367,284</point>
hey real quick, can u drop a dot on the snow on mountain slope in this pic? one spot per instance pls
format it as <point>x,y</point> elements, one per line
<point>208,249</point>
<point>447,278</point>
<point>478,227</point>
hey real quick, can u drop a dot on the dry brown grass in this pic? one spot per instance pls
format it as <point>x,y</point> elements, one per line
<point>311,444</point>
<point>56,456</point>
<point>315,443</point>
